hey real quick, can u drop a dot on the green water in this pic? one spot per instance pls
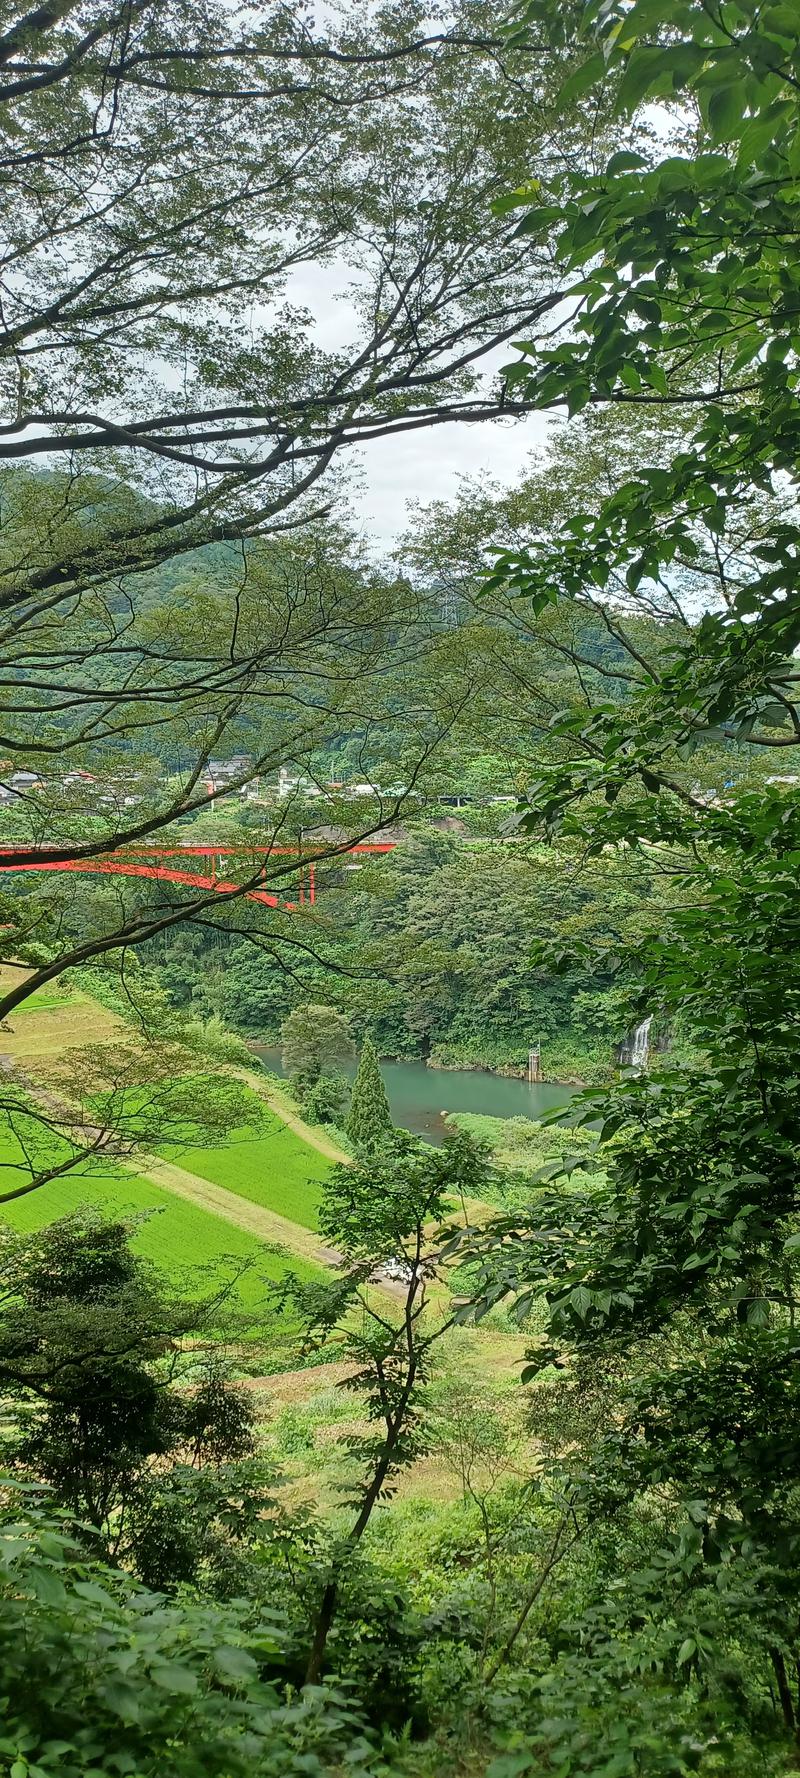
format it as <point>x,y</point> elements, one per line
<point>418,1096</point>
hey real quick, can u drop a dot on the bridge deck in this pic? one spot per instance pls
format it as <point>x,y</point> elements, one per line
<point>137,861</point>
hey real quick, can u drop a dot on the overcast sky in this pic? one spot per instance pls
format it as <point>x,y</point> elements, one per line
<point>427,466</point>
<point>424,465</point>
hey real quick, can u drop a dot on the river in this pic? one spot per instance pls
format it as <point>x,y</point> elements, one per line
<point>418,1096</point>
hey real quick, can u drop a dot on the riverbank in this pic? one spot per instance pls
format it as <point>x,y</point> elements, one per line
<point>519,1148</point>
<point>421,1098</point>
<point>567,1061</point>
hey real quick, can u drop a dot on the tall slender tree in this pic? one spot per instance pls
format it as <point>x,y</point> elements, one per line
<point>369,1118</point>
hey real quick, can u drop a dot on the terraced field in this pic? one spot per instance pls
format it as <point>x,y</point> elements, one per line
<point>272,1168</point>
<point>256,1197</point>
<point>183,1239</point>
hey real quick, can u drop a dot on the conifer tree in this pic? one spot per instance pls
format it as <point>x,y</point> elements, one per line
<point>369,1118</point>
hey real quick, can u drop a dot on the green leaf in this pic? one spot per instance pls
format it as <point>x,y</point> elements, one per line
<point>234,1663</point>
<point>586,225</point>
<point>653,72</point>
<point>687,1649</point>
<point>581,1300</point>
<point>172,1677</point>
<point>48,1587</point>
<point>510,1765</point>
<point>88,1589</point>
<point>725,118</point>
<point>794,154</point>
<point>11,1547</point>
<point>781,21</point>
<point>624,162</point>
<point>579,81</point>
<point>578,397</point>
<point>646,68</point>
<point>123,1698</point>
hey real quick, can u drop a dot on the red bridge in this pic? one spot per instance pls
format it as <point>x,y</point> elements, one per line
<point>162,862</point>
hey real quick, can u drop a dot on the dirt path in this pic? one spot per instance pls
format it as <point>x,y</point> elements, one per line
<point>296,1385</point>
<point>278,1102</point>
<point>266,1224</point>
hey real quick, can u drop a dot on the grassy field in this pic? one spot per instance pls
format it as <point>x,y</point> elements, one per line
<point>184,1241</point>
<point>521,1144</point>
<point>270,1166</point>
<point>53,1020</point>
<point>309,1416</point>
<point>44,1000</point>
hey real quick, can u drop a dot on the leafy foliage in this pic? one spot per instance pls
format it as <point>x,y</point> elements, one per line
<point>684,284</point>
<point>314,1039</point>
<point>90,1357</point>
<point>100,1674</point>
<point>673,1273</point>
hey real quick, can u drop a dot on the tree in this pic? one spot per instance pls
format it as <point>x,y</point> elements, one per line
<point>313,614</point>
<point>483,1440</point>
<point>253,994</point>
<point>100,1671</point>
<point>95,1108</point>
<point>369,1119</point>
<point>171,575</point>
<point>675,1272</point>
<point>434,949</point>
<point>90,1353</point>
<point>269,116</point>
<point>381,1214</point>
<point>712,515</point>
<point>326,1101</point>
<point>314,1039</point>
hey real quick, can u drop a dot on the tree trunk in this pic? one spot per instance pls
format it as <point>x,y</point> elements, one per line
<point>325,1618</point>
<point>327,1610</point>
<point>784,1689</point>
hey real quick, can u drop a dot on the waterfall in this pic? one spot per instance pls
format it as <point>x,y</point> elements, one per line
<point>641,1043</point>
<point>634,1051</point>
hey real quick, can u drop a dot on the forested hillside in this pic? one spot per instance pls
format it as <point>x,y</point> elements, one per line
<point>430,950</point>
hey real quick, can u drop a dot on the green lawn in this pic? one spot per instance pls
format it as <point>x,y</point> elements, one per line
<point>185,1241</point>
<point>273,1167</point>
